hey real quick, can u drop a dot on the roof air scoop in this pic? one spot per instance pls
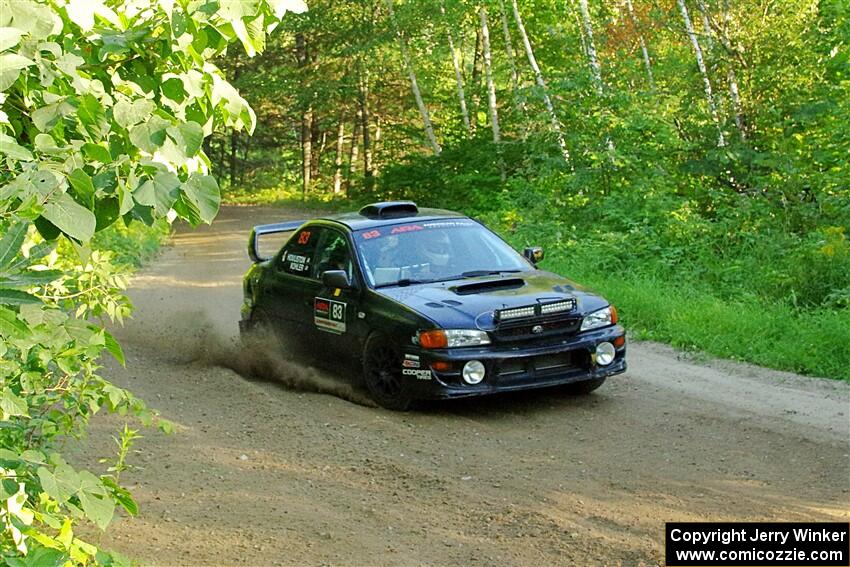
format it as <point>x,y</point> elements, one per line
<point>390,209</point>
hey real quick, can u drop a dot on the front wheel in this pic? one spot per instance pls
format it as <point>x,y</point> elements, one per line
<point>382,374</point>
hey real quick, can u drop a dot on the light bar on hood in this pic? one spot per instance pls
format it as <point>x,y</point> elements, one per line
<point>515,313</point>
<point>558,307</point>
<point>561,306</point>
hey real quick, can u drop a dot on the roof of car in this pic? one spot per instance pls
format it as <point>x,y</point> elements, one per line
<point>357,221</point>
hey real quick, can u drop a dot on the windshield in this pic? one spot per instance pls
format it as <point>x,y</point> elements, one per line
<point>440,250</point>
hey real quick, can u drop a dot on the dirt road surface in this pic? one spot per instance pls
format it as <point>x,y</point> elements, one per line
<point>263,473</point>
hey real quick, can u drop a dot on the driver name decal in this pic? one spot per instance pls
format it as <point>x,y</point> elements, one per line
<point>329,315</point>
<point>298,263</point>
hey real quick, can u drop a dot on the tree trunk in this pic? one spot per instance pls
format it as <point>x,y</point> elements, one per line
<point>734,93</point>
<point>488,73</point>
<point>234,142</point>
<point>509,51</point>
<point>706,23</point>
<point>491,90</point>
<point>222,151</point>
<point>556,125</point>
<point>246,148</point>
<point>595,68</point>
<point>712,107</point>
<point>353,152</point>
<point>306,151</point>
<point>476,80</point>
<point>417,94</point>
<point>317,145</point>
<point>464,113</point>
<point>646,61</point>
<point>581,34</point>
<point>376,146</point>
<point>340,141</point>
<point>306,120</point>
<point>368,174</point>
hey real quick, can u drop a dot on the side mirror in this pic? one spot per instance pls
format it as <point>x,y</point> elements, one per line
<point>336,279</point>
<point>533,254</point>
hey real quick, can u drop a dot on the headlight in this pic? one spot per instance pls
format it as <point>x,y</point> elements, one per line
<point>451,338</point>
<point>605,354</point>
<point>601,318</point>
<point>473,372</point>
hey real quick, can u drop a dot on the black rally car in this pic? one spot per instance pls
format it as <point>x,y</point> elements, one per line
<point>430,304</point>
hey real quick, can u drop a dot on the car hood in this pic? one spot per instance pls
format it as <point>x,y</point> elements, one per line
<point>470,303</point>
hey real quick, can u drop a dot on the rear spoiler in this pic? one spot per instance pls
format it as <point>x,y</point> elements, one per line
<point>264,229</point>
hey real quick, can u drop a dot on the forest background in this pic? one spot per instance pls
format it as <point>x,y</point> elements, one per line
<point>686,158</point>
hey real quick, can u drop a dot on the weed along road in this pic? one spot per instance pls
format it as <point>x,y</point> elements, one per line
<point>296,468</point>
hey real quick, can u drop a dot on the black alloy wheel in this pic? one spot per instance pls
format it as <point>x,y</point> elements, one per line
<point>382,374</point>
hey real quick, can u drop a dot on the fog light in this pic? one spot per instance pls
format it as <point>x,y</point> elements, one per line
<point>473,371</point>
<point>605,354</point>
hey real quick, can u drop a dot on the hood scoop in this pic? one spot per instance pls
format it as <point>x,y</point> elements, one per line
<point>488,285</point>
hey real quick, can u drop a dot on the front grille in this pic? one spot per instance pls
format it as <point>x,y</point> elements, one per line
<point>548,326</point>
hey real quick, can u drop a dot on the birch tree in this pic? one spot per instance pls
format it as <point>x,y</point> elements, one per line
<point>595,68</point>
<point>368,173</point>
<point>354,152</point>
<point>464,113</point>
<point>712,107</point>
<point>731,76</point>
<point>646,61</point>
<point>511,57</point>
<point>488,72</point>
<point>509,46</point>
<point>306,121</point>
<point>340,143</point>
<point>706,23</point>
<point>414,85</point>
<point>538,76</point>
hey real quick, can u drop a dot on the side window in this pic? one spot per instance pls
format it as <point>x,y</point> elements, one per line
<point>298,256</point>
<point>333,254</point>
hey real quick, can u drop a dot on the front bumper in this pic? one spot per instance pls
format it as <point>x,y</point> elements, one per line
<point>511,367</point>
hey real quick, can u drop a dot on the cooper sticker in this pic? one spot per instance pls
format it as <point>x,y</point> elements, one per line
<point>410,361</point>
<point>329,315</point>
<point>418,374</point>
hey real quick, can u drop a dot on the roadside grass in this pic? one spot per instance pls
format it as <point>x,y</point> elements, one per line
<point>682,312</point>
<point>286,197</point>
<point>692,318</point>
<point>132,245</point>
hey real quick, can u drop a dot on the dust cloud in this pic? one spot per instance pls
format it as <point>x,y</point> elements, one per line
<point>195,339</point>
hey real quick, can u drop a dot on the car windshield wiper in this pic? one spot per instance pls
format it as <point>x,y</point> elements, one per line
<point>477,273</point>
<point>403,282</point>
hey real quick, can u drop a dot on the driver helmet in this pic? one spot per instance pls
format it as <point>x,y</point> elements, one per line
<point>436,247</point>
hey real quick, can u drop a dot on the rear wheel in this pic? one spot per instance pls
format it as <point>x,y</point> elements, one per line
<point>584,387</point>
<point>260,332</point>
<point>382,374</point>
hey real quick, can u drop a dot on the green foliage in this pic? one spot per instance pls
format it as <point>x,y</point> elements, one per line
<point>103,111</point>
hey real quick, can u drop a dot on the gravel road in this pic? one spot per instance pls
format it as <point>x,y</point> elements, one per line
<point>295,469</point>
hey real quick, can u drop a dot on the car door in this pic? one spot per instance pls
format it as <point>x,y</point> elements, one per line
<point>289,287</point>
<point>336,324</point>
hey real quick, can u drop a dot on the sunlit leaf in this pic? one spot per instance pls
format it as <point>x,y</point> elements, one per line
<point>9,37</point>
<point>10,244</point>
<point>202,191</point>
<point>70,217</point>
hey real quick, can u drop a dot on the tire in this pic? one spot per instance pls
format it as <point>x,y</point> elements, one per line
<point>584,387</point>
<point>382,375</point>
<point>259,330</point>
